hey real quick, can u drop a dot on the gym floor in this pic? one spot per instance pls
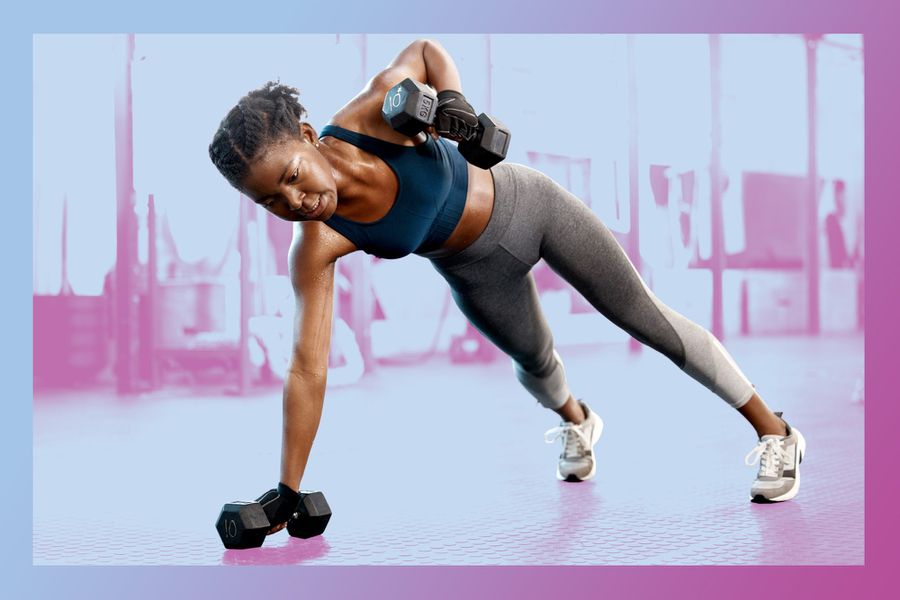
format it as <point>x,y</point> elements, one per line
<point>446,465</point>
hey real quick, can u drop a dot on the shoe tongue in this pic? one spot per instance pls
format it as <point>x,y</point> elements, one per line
<point>771,436</point>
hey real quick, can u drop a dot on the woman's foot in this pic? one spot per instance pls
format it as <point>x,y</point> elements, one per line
<point>577,462</point>
<point>779,465</point>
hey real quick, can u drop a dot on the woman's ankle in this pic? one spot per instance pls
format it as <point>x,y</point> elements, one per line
<point>775,428</point>
<point>572,411</point>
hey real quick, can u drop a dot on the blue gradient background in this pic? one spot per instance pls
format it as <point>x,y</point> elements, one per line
<point>875,19</point>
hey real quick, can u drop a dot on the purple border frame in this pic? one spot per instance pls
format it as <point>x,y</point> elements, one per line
<point>876,20</point>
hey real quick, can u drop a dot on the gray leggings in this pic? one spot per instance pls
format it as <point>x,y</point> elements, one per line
<point>491,282</point>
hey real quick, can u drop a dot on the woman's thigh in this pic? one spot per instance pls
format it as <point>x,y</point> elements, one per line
<point>578,246</point>
<point>497,294</point>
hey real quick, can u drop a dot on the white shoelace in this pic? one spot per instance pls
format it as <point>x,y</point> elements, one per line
<point>575,441</point>
<point>770,453</point>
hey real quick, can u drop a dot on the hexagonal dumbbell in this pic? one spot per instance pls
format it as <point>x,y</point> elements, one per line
<point>311,517</point>
<point>409,107</point>
<point>489,145</point>
<point>242,525</point>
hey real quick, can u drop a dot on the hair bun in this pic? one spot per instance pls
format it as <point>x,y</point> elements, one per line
<point>275,91</point>
<point>262,116</point>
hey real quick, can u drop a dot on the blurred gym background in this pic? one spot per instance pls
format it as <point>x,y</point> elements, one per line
<point>150,272</point>
<point>730,167</point>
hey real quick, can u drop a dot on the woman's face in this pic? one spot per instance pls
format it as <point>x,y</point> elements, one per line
<point>293,180</point>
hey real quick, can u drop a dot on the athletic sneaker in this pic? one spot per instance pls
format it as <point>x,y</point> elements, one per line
<point>577,463</point>
<point>779,465</point>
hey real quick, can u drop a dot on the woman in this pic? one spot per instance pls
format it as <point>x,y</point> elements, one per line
<point>360,185</point>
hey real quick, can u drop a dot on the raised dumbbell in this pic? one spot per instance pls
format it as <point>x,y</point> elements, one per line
<point>489,145</point>
<point>243,525</point>
<point>409,108</point>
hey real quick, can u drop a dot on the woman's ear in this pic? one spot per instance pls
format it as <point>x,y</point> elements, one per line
<point>308,133</point>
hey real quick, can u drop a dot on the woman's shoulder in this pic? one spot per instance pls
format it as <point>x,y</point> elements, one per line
<point>372,127</point>
<point>315,243</point>
<point>363,113</point>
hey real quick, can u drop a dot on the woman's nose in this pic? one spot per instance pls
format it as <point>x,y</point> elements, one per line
<point>295,201</point>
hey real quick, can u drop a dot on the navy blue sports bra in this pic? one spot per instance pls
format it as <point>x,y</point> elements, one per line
<point>432,180</point>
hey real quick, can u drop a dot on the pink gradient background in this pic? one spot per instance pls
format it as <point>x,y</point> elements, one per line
<point>881,134</point>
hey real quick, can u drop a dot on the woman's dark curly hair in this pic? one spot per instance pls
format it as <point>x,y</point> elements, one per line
<point>263,116</point>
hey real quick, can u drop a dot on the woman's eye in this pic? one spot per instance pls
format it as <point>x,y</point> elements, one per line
<point>294,176</point>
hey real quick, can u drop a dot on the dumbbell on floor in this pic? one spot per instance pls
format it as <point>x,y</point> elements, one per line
<point>243,525</point>
<point>409,108</point>
<point>310,517</point>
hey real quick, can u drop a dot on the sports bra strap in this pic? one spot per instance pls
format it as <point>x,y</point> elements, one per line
<point>365,142</point>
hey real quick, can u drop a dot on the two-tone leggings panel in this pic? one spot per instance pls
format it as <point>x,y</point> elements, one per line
<point>491,282</point>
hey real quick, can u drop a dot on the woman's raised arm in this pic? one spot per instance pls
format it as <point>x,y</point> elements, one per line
<point>426,61</point>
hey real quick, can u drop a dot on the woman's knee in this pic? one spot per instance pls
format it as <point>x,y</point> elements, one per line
<point>548,385</point>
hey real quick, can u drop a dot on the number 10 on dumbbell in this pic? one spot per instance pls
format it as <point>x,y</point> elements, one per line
<point>409,107</point>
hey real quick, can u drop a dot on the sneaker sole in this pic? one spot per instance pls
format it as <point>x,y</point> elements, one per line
<point>572,478</point>
<point>801,450</point>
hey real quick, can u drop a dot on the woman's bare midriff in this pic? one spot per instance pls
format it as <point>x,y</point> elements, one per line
<point>475,217</point>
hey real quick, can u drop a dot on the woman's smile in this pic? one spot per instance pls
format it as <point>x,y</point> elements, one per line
<point>315,210</point>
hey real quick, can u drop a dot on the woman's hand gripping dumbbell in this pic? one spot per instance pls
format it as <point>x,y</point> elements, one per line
<point>411,108</point>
